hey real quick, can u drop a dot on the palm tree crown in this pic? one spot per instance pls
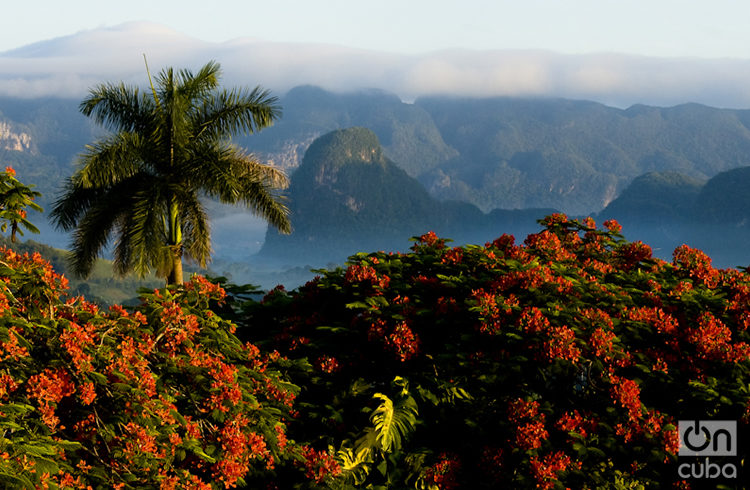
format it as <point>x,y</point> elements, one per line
<point>15,197</point>
<point>169,146</point>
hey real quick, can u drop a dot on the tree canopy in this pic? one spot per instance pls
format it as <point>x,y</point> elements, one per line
<point>566,361</point>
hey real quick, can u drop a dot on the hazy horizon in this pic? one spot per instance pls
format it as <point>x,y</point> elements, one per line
<point>67,66</point>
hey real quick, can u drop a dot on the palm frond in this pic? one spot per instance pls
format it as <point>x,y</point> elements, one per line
<point>267,203</point>
<point>28,225</point>
<point>236,111</point>
<point>247,166</point>
<point>234,177</point>
<point>195,227</point>
<point>91,236</point>
<point>195,86</point>
<point>118,107</point>
<point>97,215</point>
<point>73,204</point>
<point>108,161</point>
<point>141,241</point>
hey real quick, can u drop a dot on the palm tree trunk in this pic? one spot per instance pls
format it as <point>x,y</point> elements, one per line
<point>175,275</point>
<point>175,247</point>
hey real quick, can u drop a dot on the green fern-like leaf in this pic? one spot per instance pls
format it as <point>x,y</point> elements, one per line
<point>355,465</point>
<point>386,433</point>
<point>392,421</point>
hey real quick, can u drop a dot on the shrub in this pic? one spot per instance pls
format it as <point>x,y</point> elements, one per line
<point>162,397</point>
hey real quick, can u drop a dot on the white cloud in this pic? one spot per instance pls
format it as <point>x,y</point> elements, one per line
<point>68,66</point>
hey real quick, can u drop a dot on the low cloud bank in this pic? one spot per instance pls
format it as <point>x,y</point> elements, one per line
<point>68,66</point>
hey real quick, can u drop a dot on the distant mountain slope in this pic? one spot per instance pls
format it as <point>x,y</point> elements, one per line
<point>725,199</point>
<point>54,132</point>
<point>492,153</point>
<point>499,152</point>
<point>574,155</point>
<point>673,198</point>
<point>407,132</point>
<point>348,196</point>
<point>656,198</point>
<point>509,153</point>
<point>668,209</point>
<point>722,217</point>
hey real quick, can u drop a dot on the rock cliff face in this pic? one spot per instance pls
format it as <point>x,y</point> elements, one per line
<point>13,141</point>
<point>288,154</point>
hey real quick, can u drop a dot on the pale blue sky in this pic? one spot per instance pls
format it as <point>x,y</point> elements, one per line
<point>682,28</point>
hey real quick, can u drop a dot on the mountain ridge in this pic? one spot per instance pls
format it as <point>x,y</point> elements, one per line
<point>496,153</point>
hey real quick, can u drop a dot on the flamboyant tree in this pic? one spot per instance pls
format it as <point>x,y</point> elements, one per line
<point>566,361</point>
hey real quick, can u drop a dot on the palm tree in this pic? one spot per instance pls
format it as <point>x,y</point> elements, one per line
<point>169,148</point>
<point>15,197</point>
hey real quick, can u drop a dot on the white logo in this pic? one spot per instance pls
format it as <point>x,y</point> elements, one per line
<point>707,437</point>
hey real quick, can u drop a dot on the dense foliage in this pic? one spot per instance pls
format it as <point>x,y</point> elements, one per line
<point>100,287</point>
<point>162,397</point>
<point>564,361</point>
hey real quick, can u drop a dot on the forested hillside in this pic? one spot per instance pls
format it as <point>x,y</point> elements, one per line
<point>497,155</point>
<point>347,195</point>
<point>668,209</point>
<point>576,156</point>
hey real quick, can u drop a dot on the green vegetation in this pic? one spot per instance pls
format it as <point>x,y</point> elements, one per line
<point>144,182</point>
<point>574,155</point>
<point>656,197</point>
<point>564,362</point>
<point>101,286</point>
<point>506,153</point>
<point>724,199</point>
<point>163,397</point>
<point>668,208</point>
<point>15,198</point>
<point>57,133</point>
<point>347,194</point>
<point>406,131</point>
